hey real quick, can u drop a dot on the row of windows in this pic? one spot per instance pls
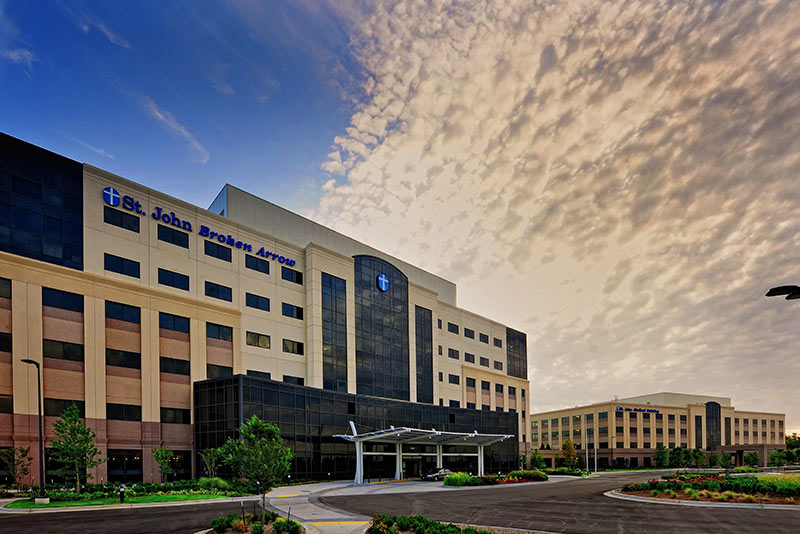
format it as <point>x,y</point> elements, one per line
<point>469,333</point>
<point>470,358</point>
<point>117,412</point>
<point>604,415</point>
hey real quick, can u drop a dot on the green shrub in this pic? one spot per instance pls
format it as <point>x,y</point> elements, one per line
<point>531,475</point>
<point>207,483</point>
<point>289,526</point>
<point>256,528</point>
<point>744,470</point>
<point>462,479</point>
<point>382,524</point>
<point>219,524</point>
<point>654,492</point>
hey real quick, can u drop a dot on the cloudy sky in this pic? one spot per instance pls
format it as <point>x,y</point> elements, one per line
<point>617,179</point>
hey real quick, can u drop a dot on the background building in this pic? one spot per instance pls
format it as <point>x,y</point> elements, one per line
<point>627,431</point>
<point>130,297</point>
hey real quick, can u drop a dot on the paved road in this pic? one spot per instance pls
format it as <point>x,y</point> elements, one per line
<point>184,519</point>
<point>576,507</point>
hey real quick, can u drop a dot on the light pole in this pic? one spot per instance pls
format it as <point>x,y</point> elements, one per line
<point>41,439</point>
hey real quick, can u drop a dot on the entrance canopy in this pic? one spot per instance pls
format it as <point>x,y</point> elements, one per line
<point>417,436</point>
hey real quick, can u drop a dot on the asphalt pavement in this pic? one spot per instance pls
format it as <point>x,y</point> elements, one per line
<point>575,507</point>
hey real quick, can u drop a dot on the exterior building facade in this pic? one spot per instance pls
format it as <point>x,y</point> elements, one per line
<point>164,321</point>
<point>626,432</point>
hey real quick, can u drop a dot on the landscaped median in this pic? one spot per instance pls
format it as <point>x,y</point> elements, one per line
<point>252,524</point>
<point>514,477</point>
<point>767,489</point>
<point>148,492</point>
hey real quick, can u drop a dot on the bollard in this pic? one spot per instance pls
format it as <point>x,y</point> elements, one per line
<point>121,495</point>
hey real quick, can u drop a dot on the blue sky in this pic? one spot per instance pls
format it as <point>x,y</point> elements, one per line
<point>181,96</point>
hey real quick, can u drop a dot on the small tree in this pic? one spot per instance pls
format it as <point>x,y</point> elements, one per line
<point>777,458</point>
<point>259,456</point>
<point>163,457</point>
<point>662,456</point>
<point>537,460</point>
<point>698,458</point>
<point>75,447</point>
<point>725,460</point>
<point>17,461</point>
<point>523,461</point>
<point>569,453</point>
<point>752,459</point>
<point>792,441</point>
<point>676,457</point>
<point>713,460</point>
<point>211,459</point>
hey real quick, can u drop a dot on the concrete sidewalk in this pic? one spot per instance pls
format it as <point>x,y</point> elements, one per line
<point>302,504</point>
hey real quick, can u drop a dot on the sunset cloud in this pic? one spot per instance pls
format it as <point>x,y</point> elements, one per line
<point>617,179</point>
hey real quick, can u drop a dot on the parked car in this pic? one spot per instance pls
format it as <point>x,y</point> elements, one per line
<point>437,474</point>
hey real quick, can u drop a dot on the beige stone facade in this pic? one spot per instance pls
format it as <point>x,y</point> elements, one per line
<point>627,431</point>
<point>258,341</point>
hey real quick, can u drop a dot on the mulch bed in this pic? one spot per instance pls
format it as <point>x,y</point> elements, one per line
<point>760,499</point>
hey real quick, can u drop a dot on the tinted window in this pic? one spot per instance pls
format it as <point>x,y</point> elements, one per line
<point>452,353</point>
<point>217,251</point>
<point>62,350</point>
<point>469,358</point>
<point>219,291</point>
<point>121,219</point>
<point>123,412</point>
<point>484,361</point>
<point>215,371</point>
<point>256,264</point>
<point>121,265</point>
<point>173,279</point>
<point>258,340</point>
<point>469,333</point>
<point>123,312</point>
<point>172,236</point>
<point>498,343</point>
<point>218,331</point>
<point>454,379</point>
<point>62,299</point>
<point>167,321</point>
<point>334,333</point>
<point>175,416</point>
<point>5,288</point>
<point>123,358</point>
<point>55,407</point>
<point>291,275</point>
<point>294,347</point>
<point>256,301</point>
<point>174,366</point>
<point>453,328</point>
<point>290,310</point>
<point>483,338</point>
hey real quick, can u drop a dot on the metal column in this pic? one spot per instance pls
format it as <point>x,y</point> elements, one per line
<point>359,479</point>
<point>480,460</point>
<point>398,470</point>
<point>438,456</point>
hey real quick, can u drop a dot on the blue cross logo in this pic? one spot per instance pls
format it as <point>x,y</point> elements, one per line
<point>111,196</point>
<point>383,282</point>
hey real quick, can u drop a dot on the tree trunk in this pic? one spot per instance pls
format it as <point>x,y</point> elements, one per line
<point>78,479</point>
<point>263,507</point>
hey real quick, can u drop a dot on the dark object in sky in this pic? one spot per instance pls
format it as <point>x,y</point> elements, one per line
<point>791,292</point>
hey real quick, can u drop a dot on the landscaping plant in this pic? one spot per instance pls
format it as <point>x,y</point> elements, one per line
<point>74,446</point>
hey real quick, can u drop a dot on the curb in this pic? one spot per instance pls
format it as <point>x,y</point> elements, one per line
<point>105,507</point>
<point>705,504</point>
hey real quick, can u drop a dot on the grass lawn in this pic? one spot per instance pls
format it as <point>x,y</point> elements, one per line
<point>28,503</point>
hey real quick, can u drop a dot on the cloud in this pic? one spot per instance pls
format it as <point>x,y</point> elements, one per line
<point>20,56</point>
<point>171,124</point>
<point>13,46</point>
<point>85,20</point>
<point>84,144</point>
<point>615,178</point>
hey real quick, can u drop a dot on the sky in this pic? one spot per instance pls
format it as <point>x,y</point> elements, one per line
<point>618,179</point>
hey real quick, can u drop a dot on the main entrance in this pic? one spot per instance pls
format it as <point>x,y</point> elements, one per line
<point>417,451</point>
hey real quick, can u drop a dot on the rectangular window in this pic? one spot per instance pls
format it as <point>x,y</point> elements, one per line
<point>589,417</point>
<point>498,366</point>
<point>123,358</point>
<point>483,338</point>
<point>296,380</point>
<point>256,301</point>
<point>441,376</point>
<point>603,430</point>
<point>485,385</point>
<point>469,358</point>
<point>123,312</point>
<point>62,350</point>
<point>5,288</point>
<point>173,279</point>
<point>498,388</point>
<point>216,371</point>
<point>64,300</point>
<point>469,333</point>
<point>470,382</point>
<point>259,374</point>
<point>290,275</point>
<point>173,236</point>
<point>290,310</point>
<point>683,418</point>
<point>602,415</point>
<point>255,339</point>
<point>470,406</point>
<point>484,361</point>
<point>498,343</point>
<point>174,366</point>
<point>217,251</point>
<point>455,404</point>
<point>439,323</point>
<point>218,331</point>
<point>294,347</point>
<point>123,412</point>
<point>452,353</point>
<point>671,417</point>
<point>55,407</point>
<point>176,416</point>
<point>121,219</point>
<point>620,430</point>
<point>256,264</point>
<point>452,328</point>
<point>167,321</point>
<point>512,391</point>
<point>5,342</point>
<point>218,291</point>
<point>454,379</point>
<point>659,417</point>
<point>6,404</point>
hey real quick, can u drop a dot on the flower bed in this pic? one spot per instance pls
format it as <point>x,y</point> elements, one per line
<point>784,489</point>
<point>514,477</point>
<point>251,523</point>
<point>384,524</point>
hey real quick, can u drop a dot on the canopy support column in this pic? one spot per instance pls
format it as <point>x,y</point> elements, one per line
<point>359,479</point>
<point>398,470</point>
<point>480,460</point>
<point>438,456</point>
